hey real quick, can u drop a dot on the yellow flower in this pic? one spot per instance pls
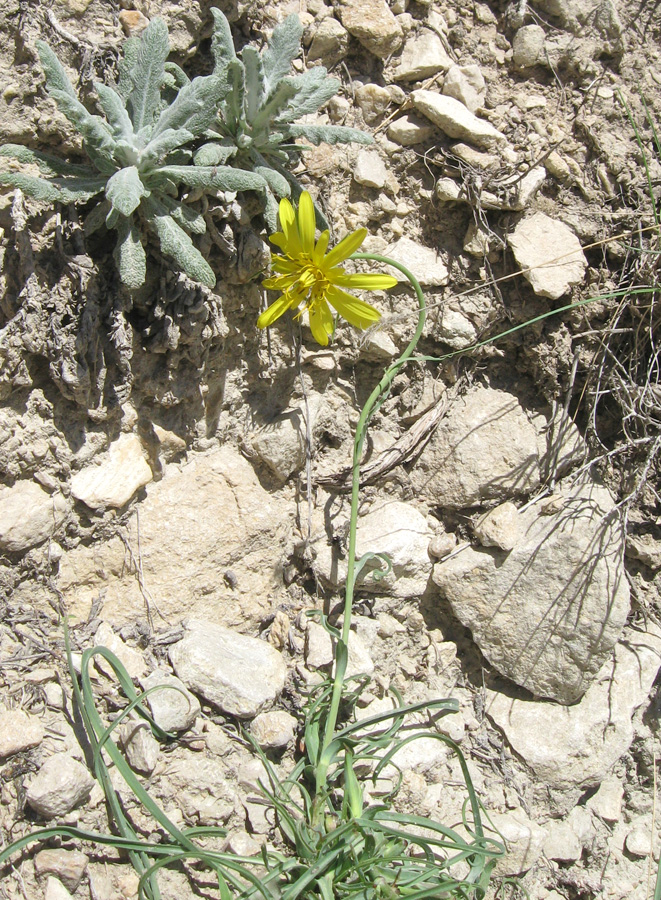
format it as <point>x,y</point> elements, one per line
<point>307,274</point>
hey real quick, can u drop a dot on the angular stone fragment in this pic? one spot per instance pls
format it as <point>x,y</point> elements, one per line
<point>273,730</point>
<point>61,784</point>
<point>19,731</point>
<point>409,130</point>
<point>28,515</point>
<point>423,55</point>
<point>370,170</point>
<point>140,746</point>
<point>55,890</point>
<point>549,253</point>
<point>373,101</point>
<point>424,262</point>
<point>373,24</point>
<point>173,707</point>
<point>500,527</point>
<point>67,865</point>
<point>548,615</point>
<point>485,449</point>
<point>330,42</point>
<point>396,529</point>
<point>456,120</point>
<point>523,841</point>
<point>528,46</point>
<point>466,84</point>
<point>576,746</point>
<point>116,479</point>
<point>281,444</point>
<point>239,674</point>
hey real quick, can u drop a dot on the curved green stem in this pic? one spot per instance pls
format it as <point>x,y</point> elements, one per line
<point>369,408</point>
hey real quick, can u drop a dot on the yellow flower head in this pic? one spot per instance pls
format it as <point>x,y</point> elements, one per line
<point>307,274</point>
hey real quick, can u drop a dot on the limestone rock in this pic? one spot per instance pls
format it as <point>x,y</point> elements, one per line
<point>455,330</point>
<point>484,449</point>
<point>61,784</point>
<point>607,802</point>
<point>67,865</point>
<point>423,55</point>
<point>55,890</point>
<point>548,615</point>
<point>456,120</point>
<point>370,170</point>
<point>524,840</point>
<point>115,480</point>
<point>239,674</point>
<point>562,843</point>
<point>373,24</point>
<point>330,42</point>
<point>394,528</point>
<point>132,660</point>
<point>549,254</point>
<point>373,101</point>
<point>318,646</point>
<point>466,84</point>
<point>528,46</point>
<point>28,515</point>
<point>424,262</point>
<point>140,746</point>
<point>273,730</point>
<point>281,444</point>
<point>19,731</point>
<point>576,746</point>
<point>359,661</point>
<point>500,527</point>
<point>409,130</point>
<point>204,519</point>
<point>173,707</point>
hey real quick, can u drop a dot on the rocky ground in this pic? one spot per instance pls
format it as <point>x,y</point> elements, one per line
<point>156,451</point>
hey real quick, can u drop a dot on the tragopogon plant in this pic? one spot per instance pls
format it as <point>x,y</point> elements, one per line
<point>257,127</point>
<point>140,153</point>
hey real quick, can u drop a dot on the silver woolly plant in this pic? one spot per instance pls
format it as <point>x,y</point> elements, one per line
<point>140,153</point>
<point>257,127</point>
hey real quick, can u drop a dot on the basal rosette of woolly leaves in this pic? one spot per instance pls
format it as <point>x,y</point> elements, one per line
<point>139,153</point>
<point>258,122</point>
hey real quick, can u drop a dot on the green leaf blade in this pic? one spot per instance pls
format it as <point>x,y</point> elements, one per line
<point>177,244</point>
<point>125,190</point>
<point>284,47</point>
<point>147,74</point>
<point>130,254</point>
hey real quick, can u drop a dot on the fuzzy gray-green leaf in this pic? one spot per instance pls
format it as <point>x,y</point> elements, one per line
<point>165,143</point>
<point>71,190</point>
<point>195,106</point>
<point>222,45</point>
<point>329,134</point>
<point>95,133</point>
<point>176,243</point>
<point>313,88</point>
<point>216,153</point>
<point>115,112</point>
<point>48,165</point>
<point>276,182</point>
<point>254,82</point>
<point>222,178</point>
<point>275,105</point>
<point>147,74</point>
<point>130,254</point>
<point>56,76</point>
<point>125,190</point>
<point>189,219</point>
<point>127,66</point>
<point>283,48</point>
<point>96,217</point>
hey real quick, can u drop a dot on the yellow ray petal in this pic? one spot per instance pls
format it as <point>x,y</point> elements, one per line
<point>362,280</point>
<point>321,322</point>
<point>322,246</point>
<point>292,243</point>
<point>306,223</point>
<point>355,311</point>
<point>345,248</point>
<point>276,309</point>
<point>278,239</point>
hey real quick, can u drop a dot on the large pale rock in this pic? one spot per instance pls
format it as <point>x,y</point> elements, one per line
<point>61,784</point>
<point>116,478</point>
<point>485,449</point>
<point>240,674</point>
<point>19,731</point>
<point>549,614</point>
<point>577,746</point>
<point>423,262</point>
<point>373,24</point>
<point>394,528</point>
<point>423,55</point>
<point>210,542</point>
<point>28,515</point>
<point>549,254</point>
<point>452,117</point>
<point>528,46</point>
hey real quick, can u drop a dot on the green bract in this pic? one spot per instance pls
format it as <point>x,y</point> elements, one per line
<point>257,125</point>
<point>139,152</point>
